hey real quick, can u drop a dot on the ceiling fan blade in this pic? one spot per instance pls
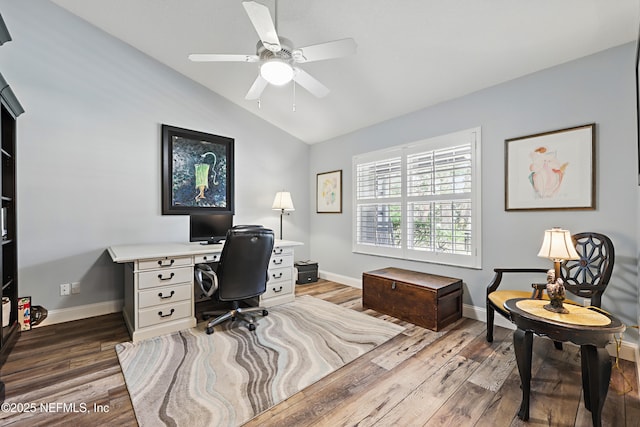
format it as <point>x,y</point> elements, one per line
<point>217,57</point>
<point>328,50</point>
<point>262,22</point>
<point>305,80</point>
<point>256,88</point>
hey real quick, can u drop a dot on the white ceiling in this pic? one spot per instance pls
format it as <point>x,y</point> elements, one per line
<point>411,53</point>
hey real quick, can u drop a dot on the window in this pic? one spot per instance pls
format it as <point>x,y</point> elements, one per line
<point>420,201</point>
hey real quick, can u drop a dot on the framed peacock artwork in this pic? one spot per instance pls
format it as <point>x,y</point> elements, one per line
<point>197,172</point>
<point>551,170</point>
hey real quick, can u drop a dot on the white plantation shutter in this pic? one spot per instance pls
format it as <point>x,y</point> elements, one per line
<point>421,201</point>
<point>379,196</point>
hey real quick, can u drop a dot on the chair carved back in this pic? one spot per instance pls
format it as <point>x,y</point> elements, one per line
<point>589,276</point>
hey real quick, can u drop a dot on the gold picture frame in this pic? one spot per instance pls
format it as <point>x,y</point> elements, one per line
<point>329,192</point>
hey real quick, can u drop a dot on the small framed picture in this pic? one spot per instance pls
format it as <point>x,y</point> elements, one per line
<point>329,192</point>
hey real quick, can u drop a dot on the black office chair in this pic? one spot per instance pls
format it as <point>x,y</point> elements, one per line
<point>241,274</point>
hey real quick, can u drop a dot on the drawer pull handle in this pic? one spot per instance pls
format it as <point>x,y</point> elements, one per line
<point>166,278</point>
<point>161,263</point>
<point>277,290</point>
<point>169,296</point>
<point>277,251</point>
<point>166,315</point>
<point>215,257</point>
<point>278,276</point>
<point>393,285</point>
<point>278,261</point>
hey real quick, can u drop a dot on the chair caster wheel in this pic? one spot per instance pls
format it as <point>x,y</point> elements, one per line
<point>205,317</point>
<point>265,313</point>
<point>251,327</point>
<point>209,330</point>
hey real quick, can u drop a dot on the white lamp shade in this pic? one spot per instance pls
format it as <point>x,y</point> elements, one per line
<point>283,201</point>
<point>276,72</point>
<point>558,245</point>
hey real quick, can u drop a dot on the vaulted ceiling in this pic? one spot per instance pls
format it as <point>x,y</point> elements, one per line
<point>411,54</point>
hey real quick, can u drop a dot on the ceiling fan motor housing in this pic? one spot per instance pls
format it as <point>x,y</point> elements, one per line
<point>285,53</point>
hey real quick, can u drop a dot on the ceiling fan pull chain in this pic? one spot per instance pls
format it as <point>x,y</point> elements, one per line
<point>259,104</point>
<point>294,96</point>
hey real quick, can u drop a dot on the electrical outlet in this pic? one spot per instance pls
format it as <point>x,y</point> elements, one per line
<point>65,289</point>
<point>75,287</point>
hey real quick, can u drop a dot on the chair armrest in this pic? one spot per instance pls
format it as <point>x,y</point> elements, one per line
<point>497,278</point>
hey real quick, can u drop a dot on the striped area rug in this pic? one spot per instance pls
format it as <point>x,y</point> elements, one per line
<point>190,378</point>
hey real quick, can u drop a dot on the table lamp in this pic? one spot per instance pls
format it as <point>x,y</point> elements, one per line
<point>557,246</point>
<point>284,204</point>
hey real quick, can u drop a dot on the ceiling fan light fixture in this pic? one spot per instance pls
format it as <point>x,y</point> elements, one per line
<point>276,72</point>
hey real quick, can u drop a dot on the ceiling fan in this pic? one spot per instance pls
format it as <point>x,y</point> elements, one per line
<point>277,56</point>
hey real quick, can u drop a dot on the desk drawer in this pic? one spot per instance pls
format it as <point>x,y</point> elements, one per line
<point>201,259</point>
<point>276,288</point>
<point>162,263</point>
<point>165,295</point>
<point>277,250</point>
<point>277,275</point>
<point>164,313</point>
<point>151,279</point>
<point>278,261</point>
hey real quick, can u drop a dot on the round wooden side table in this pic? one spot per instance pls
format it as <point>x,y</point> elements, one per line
<point>591,337</point>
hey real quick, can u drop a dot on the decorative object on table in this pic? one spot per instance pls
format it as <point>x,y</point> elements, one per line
<point>283,203</point>
<point>557,246</point>
<point>551,170</point>
<point>197,172</point>
<point>586,278</point>
<point>235,373</point>
<point>329,192</point>
<point>24,313</point>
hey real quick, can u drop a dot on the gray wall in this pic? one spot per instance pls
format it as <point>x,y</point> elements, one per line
<point>598,88</point>
<point>89,153</point>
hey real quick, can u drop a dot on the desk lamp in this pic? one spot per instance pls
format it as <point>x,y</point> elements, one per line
<point>557,246</point>
<point>283,203</point>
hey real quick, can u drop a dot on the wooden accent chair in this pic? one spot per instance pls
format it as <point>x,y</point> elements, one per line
<point>587,277</point>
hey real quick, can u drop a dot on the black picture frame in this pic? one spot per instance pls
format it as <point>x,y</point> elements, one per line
<point>638,100</point>
<point>565,163</point>
<point>197,172</point>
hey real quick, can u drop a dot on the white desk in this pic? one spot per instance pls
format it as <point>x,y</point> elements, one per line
<point>158,292</point>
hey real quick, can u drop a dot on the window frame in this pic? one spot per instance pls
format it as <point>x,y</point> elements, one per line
<point>471,136</point>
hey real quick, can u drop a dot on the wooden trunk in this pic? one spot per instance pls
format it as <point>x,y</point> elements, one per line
<point>423,299</point>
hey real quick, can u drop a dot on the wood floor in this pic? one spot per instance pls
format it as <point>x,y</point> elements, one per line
<point>68,374</point>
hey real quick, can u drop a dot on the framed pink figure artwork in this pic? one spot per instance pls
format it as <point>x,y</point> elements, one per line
<point>551,170</point>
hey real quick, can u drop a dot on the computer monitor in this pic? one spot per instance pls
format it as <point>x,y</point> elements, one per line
<point>209,229</point>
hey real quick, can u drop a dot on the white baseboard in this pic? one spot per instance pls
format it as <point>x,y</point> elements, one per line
<point>338,278</point>
<point>81,312</point>
<point>628,351</point>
